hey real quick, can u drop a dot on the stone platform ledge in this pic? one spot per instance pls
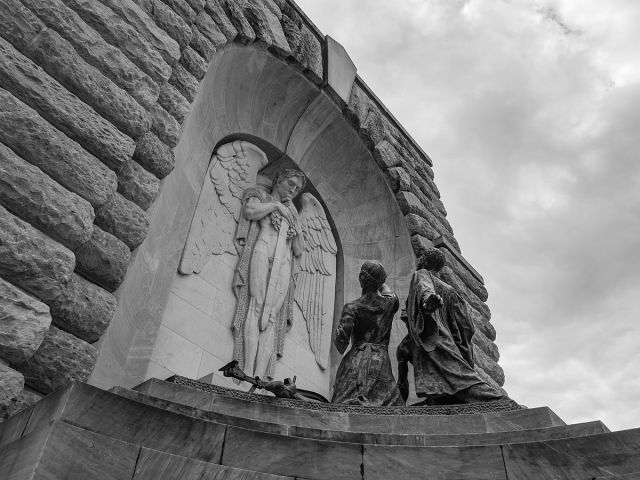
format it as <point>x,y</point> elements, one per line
<point>459,409</point>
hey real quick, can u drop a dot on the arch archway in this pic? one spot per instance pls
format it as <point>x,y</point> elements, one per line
<point>247,91</point>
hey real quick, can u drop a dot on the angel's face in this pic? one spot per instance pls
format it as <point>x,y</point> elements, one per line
<point>289,187</point>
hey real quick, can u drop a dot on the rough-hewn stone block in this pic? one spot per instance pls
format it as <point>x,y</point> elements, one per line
<point>23,324</point>
<point>481,341</point>
<point>165,126</point>
<point>358,106</point>
<point>95,51</point>
<point>386,156</point>
<point>137,185</point>
<point>103,259</point>
<point>61,108</point>
<point>173,102</point>
<point>60,60</point>
<point>420,244</point>
<point>466,276</point>
<point>11,384</point>
<point>193,63</point>
<point>29,193</point>
<point>145,26</point>
<point>83,309</point>
<point>202,45</point>
<point>186,83</point>
<point>448,275</point>
<point>490,367</point>
<point>266,25</point>
<point>399,179</point>
<point>210,29</point>
<point>196,5</point>
<point>375,126</point>
<point>60,359</point>
<point>24,400</point>
<point>169,19</point>
<point>234,12</point>
<point>118,31</point>
<point>182,8</point>
<point>483,324</point>
<point>154,155</point>
<point>418,225</point>
<point>215,10</point>
<point>31,260</point>
<point>123,219</point>
<point>36,141</point>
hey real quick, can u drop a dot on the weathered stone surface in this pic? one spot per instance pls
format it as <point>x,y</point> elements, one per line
<point>358,106</point>
<point>164,126</point>
<point>95,51</point>
<point>29,193</point>
<point>197,5</point>
<point>399,179</point>
<point>202,45</point>
<point>375,126</point>
<point>449,276</point>
<point>386,156</point>
<point>154,155</point>
<point>31,260</point>
<point>491,349</point>
<point>118,31</point>
<point>210,29</point>
<point>103,259</point>
<point>37,142</point>
<point>23,324</point>
<point>193,63</point>
<point>60,60</point>
<point>186,83</point>
<point>490,367</point>
<point>24,400</point>
<point>483,324</point>
<point>137,185</point>
<point>266,25</point>
<point>234,12</point>
<point>83,309</point>
<point>60,359</point>
<point>11,384</point>
<point>182,8</point>
<point>61,108</point>
<point>216,11</point>
<point>145,26</point>
<point>420,244</point>
<point>418,225</point>
<point>123,219</point>
<point>173,102</point>
<point>169,20</point>
<point>305,46</point>
<point>466,276</point>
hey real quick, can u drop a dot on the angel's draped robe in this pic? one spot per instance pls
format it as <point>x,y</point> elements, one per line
<point>364,376</point>
<point>440,344</point>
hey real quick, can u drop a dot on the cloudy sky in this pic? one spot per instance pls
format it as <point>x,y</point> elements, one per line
<point>530,111</point>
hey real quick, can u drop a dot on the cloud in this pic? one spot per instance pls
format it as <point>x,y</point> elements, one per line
<point>529,110</point>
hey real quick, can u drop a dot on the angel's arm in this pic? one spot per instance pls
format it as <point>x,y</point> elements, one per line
<point>297,243</point>
<point>254,209</point>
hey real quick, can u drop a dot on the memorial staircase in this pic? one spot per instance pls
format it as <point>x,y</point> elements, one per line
<point>181,429</point>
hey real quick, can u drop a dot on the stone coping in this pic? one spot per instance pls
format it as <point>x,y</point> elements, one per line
<point>460,409</point>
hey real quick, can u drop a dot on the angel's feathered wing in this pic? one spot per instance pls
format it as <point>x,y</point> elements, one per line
<point>315,278</point>
<point>233,169</point>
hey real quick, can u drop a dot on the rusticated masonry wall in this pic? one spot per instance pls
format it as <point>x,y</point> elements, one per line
<point>92,97</point>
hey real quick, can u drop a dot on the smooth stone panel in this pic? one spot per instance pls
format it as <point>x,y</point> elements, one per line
<point>24,322</point>
<point>61,108</point>
<point>63,451</point>
<point>434,463</point>
<point>341,71</point>
<point>31,260</point>
<point>614,453</point>
<point>528,418</point>
<point>39,143</point>
<point>31,194</point>
<point>153,465</point>
<point>288,456</point>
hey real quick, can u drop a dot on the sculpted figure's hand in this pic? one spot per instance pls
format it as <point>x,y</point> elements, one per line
<point>432,303</point>
<point>285,211</point>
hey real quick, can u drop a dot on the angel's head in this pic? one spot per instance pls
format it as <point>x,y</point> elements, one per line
<point>288,183</point>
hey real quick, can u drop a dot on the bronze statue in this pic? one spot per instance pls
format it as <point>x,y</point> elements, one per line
<point>364,376</point>
<point>438,344</point>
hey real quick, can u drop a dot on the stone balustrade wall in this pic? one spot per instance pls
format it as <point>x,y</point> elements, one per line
<point>92,96</point>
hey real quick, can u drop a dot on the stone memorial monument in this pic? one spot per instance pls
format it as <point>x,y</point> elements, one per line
<point>190,185</point>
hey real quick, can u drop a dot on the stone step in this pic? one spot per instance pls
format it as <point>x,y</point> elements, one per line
<point>182,405</point>
<point>87,428</point>
<point>347,417</point>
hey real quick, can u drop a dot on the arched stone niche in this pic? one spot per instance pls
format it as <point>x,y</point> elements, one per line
<point>249,94</point>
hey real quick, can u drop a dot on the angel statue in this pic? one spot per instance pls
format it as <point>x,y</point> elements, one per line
<point>284,256</point>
